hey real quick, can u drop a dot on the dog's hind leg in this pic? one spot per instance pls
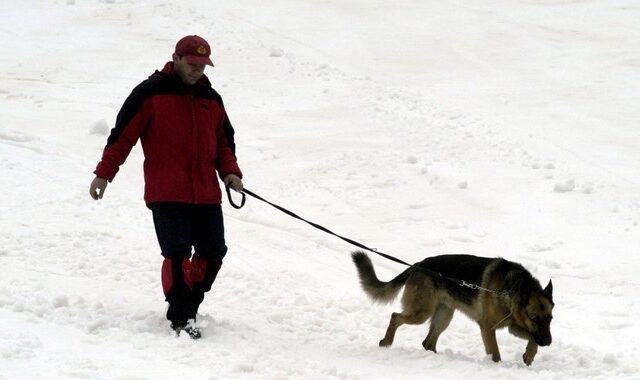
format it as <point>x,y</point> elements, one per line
<point>399,319</point>
<point>439,322</point>
<point>490,342</point>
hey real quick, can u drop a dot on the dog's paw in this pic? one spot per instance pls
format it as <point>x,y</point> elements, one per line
<point>384,343</point>
<point>528,359</point>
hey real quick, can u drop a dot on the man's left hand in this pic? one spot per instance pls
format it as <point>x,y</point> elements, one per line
<point>234,182</point>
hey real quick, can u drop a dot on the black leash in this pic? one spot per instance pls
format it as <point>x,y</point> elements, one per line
<point>321,228</point>
<point>353,242</point>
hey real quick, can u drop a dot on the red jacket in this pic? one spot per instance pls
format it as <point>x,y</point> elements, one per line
<point>186,137</point>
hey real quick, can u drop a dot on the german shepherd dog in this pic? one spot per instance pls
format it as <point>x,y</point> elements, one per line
<point>509,296</point>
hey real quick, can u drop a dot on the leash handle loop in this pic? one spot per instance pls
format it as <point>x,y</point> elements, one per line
<point>233,204</point>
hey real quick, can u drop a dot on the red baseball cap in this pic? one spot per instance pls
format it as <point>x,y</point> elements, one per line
<point>195,49</point>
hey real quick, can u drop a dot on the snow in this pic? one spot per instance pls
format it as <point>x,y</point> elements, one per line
<point>418,127</point>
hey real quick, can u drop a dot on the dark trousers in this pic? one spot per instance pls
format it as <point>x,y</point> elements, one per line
<point>186,277</point>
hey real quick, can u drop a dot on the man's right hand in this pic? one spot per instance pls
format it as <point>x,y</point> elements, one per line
<point>98,184</point>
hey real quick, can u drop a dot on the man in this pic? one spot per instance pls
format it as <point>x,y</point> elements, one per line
<point>186,138</point>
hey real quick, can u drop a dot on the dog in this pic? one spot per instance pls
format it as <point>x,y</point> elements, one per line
<point>506,295</point>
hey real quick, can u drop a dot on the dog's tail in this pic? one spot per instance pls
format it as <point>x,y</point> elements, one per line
<point>378,291</point>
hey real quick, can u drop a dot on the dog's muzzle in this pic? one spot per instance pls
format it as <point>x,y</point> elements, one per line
<point>542,340</point>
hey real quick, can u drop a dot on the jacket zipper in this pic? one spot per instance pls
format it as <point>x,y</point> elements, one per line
<point>194,150</point>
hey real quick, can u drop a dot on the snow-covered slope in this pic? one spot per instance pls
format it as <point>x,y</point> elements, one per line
<point>496,128</point>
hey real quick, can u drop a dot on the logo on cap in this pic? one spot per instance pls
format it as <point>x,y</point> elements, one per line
<point>202,50</point>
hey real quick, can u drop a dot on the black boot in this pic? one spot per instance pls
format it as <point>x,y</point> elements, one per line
<point>189,327</point>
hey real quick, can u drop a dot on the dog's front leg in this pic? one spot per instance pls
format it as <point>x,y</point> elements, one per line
<point>530,353</point>
<point>490,342</point>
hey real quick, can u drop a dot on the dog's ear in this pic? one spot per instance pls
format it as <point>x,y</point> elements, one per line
<point>548,291</point>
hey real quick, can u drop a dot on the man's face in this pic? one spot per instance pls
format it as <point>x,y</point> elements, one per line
<point>187,72</point>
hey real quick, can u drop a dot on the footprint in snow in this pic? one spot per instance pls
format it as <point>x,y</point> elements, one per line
<point>565,187</point>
